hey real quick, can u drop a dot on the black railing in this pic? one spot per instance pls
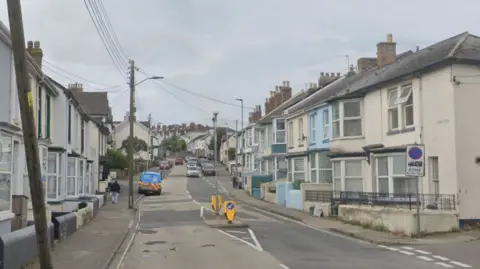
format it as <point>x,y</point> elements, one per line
<point>401,200</point>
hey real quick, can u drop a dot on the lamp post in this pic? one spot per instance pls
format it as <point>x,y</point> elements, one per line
<point>131,119</point>
<point>243,140</point>
<point>214,119</point>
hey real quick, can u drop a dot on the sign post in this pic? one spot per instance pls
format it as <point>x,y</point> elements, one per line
<point>230,209</point>
<point>416,168</point>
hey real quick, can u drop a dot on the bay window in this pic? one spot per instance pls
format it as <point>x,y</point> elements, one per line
<point>348,175</point>
<point>324,168</point>
<point>269,135</point>
<point>54,174</point>
<point>86,182</point>
<point>390,175</point>
<point>71,175</point>
<point>279,131</point>
<point>400,108</point>
<point>313,168</point>
<point>300,132</point>
<point>290,133</point>
<point>313,129</point>
<point>347,119</point>
<point>256,136</point>
<point>298,165</point>
<point>280,168</point>
<point>6,171</point>
<point>80,176</point>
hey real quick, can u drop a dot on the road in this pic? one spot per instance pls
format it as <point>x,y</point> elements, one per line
<point>171,235</point>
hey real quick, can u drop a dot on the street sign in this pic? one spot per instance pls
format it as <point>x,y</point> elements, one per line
<point>230,208</point>
<point>415,160</point>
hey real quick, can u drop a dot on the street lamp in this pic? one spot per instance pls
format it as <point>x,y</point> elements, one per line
<point>149,78</point>
<point>243,140</point>
<point>214,119</point>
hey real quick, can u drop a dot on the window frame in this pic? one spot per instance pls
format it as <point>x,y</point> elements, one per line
<point>68,193</point>
<point>313,127</point>
<point>39,111</point>
<point>276,131</point>
<point>10,172</point>
<point>69,129</point>
<point>401,104</point>
<point>326,124</point>
<point>300,132</point>
<point>295,172</point>
<point>352,118</point>
<point>393,93</point>
<point>290,135</point>
<point>342,120</point>
<point>57,176</point>
<point>391,176</point>
<point>343,177</point>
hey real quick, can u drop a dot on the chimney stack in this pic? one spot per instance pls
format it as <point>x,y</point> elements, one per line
<point>257,113</point>
<point>286,91</point>
<point>326,78</point>
<point>75,87</point>
<point>278,97</point>
<point>366,63</point>
<point>386,52</point>
<point>34,49</point>
<point>250,117</point>
<point>267,106</point>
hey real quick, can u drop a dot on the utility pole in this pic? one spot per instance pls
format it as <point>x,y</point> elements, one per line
<point>236,155</point>
<point>243,139</point>
<point>151,139</point>
<point>131,135</point>
<point>29,134</point>
<point>217,210</point>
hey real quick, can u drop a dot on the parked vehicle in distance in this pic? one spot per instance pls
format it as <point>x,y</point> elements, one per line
<point>150,183</point>
<point>191,165</point>
<point>208,169</point>
<point>192,171</point>
<point>179,161</point>
<point>164,165</point>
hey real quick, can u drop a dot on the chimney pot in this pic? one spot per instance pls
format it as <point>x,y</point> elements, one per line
<point>322,74</point>
<point>277,88</point>
<point>327,74</point>
<point>332,75</point>
<point>30,44</point>
<point>390,38</point>
<point>272,93</point>
<point>338,74</point>
<point>36,44</point>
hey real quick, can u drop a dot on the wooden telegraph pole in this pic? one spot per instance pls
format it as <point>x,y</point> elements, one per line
<point>29,134</point>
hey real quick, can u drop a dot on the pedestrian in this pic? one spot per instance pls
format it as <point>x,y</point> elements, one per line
<point>115,190</point>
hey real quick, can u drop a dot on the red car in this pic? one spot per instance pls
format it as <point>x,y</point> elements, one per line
<point>179,161</point>
<point>164,165</point>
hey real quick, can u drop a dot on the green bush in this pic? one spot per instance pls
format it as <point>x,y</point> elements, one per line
<point>297,183</point>
<point>117,159</point>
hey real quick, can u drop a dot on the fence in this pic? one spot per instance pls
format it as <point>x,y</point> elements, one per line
<point>407,200</point>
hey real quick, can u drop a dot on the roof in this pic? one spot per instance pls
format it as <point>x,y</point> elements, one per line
<point>94,103</point>
<point>198,138</point>
<point>462,47</point>
<point>279,110</point>
<point>145,123</point>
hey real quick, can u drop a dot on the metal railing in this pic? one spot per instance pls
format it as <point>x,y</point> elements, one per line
<point>401,200</point>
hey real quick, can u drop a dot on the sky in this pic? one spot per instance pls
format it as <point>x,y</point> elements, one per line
<point>225,49</point>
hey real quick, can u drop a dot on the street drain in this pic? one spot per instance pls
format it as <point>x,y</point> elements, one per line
<point>207,246</point>
<point>147,231</point>
<point>155,242</point>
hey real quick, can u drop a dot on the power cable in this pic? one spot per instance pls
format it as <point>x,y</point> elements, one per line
<point>114,34</point>
<point>73,75</point>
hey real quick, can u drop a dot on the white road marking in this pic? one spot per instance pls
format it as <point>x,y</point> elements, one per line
<point>239,232</point>
<point>460,264</point>
<point>407,248</point>
<point>201,212</point>
<point>130,242</point>
<point>425,258</point>
<point>254,238</point>
<point>310,226</point>
<point>239,239</point>
<point>423,252</point>
<point>444,264</point>
<point>284,266</point>
<point>406,252</point>
<point>441,258</point>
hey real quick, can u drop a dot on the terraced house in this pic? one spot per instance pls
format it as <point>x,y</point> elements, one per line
<point>64,132</point>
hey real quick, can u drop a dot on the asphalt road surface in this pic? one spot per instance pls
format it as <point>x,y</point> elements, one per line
<point>171,235</point>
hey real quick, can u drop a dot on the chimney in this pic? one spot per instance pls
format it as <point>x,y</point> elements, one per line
<point>366,63</point>
<point>386,52</point>
<point>286,91</point>
<point>33,48</point>
<point>326,78</point>
<point>250,117</point>
<point>75,87</point>
<point>351,71</point>
<point>278,96</point>
<point>257,113</point>
<point>267,104</point>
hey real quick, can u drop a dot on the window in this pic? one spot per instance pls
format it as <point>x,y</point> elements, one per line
<point>313,130</point>
<point>298,168</point>
<point>281,168</point>
<point>313,168</point>
<point>326,124</point>
<point>80,176</point>
<point>82,135</point>
<point>71,176</point>
<point>347,119</point>
<point>348,176</point>
<point>269,135</point>
<point>324,168</point>
<point>392,110</point>
<point>69,130</point>
<point>290,171</point>
<point>48,117</point>
<point>400,108</point>
<point>39,111</point>
<point>279,132</point>
<point>86,183</point>
<point>391,177</point>
<point>53,175</point>
<point>256,136</point>
<point>6,171</point>
<point>290,133</point>
<point>300,132</point>
<point>434,178</point>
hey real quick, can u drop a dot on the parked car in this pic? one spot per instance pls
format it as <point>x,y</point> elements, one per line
<point>170,162</point>
<point>179,161</point>
<point>208,169</point>
<point>192,171</point>
<point>164,165</point>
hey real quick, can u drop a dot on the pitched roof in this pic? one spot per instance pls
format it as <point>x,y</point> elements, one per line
<point>145,123</point>
<point>94,103</point>
<point>279,110</point>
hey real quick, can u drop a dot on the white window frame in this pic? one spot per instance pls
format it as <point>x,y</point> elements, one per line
<point>391,176</point>
<point>300,132</point>
<point>322,170</point>
<point>277,131</point>
<point>392,109</point>
<point>256,136</point>
<point>313,127</point>
<point>326,124</point>
<point>296,172</point>
<point>343,177</point>
<point>70,178</point>
<point>55,175</point>
<point>403,101</point>
<point>434,171</point>
<point>313,165</point>
<point>290,135</point>
<point>342,120</point>
<point>87,181</point>
<point>9,139</point>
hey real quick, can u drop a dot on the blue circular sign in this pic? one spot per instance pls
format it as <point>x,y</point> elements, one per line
<point>415,153</point>
<point>230,206</point>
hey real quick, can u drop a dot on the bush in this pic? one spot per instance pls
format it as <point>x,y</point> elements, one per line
<point>297,183</point>
<point>118,160</point>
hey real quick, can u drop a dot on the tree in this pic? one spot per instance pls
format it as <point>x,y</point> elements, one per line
<point>220,133</point>
<point>174,144</point>
<point>117,159</point>
<point>231,154</point>
<point>138,145</point>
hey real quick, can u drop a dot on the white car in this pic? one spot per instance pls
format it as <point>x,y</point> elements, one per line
<point>193,171</point>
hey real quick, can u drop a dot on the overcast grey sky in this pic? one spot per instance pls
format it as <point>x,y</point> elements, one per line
<point>227,49</point>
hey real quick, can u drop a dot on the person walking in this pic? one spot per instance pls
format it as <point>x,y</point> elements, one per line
<point>115,190</point>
